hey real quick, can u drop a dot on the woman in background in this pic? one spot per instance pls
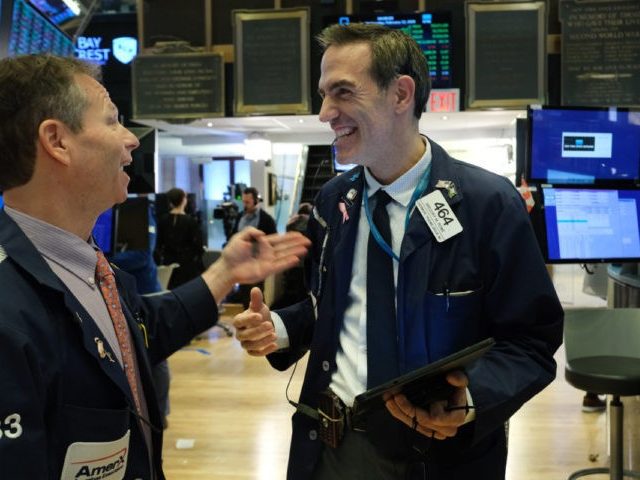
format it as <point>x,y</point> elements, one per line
<point>180,240</point>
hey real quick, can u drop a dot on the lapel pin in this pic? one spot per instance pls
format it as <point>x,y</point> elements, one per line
<point>449,186</point>
<point>102,353</point>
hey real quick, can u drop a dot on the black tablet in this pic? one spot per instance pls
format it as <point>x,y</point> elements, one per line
<point>423,385</point>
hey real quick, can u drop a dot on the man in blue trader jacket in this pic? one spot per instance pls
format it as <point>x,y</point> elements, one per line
<point>470,273</point>
<point>77,398</point>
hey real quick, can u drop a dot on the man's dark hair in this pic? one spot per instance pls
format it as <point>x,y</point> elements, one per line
<point>176,197</point>
<point>34,88</point>
<point>253,192</point>
<point>393,53</point>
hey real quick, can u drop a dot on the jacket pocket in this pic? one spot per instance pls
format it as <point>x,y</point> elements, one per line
<point>82,424</point>
<point>454,321</point>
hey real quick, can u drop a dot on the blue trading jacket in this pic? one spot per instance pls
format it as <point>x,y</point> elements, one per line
<point>508,295</point>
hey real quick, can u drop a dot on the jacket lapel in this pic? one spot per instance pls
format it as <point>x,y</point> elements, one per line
<point>418,232</point>
<point>22,252</point>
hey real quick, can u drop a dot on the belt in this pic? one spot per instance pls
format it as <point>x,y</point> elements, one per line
<point>333,417</point>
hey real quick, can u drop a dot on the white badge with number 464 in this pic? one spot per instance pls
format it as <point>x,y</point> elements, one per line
<point>439,216</point>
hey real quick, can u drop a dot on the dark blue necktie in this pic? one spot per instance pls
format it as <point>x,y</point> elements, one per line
<point>382,350</point>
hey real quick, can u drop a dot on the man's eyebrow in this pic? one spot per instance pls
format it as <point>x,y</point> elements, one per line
<point>335,85</point>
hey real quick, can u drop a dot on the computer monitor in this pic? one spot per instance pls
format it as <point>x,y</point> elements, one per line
<point>589,225</point>
<point>588,146</point>
<point>104,231</point>
<point>132,224</point>
<point>431,30</point>
<point>24,30</point>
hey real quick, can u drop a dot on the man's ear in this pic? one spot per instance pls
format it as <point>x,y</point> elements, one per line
<point>405,90</point>
<point>52,136</point>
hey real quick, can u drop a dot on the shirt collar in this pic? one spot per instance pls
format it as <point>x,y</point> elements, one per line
<point>402,188</point>
<point>59,246</point>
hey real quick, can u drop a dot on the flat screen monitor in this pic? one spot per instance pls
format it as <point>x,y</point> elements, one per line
<point>589,225</point>
<point>588,146</point>
<point>431,30</point>
<point>132,225</point>
<point>104,231</point>
<point>25,30</point>
<point>1,201</point>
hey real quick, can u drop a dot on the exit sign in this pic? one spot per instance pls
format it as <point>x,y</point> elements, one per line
<point>444,100</point>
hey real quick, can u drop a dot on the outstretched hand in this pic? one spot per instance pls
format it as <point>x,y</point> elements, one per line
<point>251,256</point>
<point>438,420</point>
<point>254,328</point>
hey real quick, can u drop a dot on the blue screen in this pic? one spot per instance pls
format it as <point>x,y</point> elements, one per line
<point>584,146</point>
<point>32,33</point>
<point>1,201</point>
<point>103,231</point>
<point>589,225</point>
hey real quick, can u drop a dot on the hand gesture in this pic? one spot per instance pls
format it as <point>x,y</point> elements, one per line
<point>439,420</point>
<point>254,328</point>
<point>251,256</point>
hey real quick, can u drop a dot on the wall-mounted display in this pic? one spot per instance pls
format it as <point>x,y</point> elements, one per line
<point>506,54</point>
<point>430,30</point>
<point>25,30</point>
<point>271,67</point>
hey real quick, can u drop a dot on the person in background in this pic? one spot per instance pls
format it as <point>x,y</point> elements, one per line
<point>252,216</point>
<point>77,341</point>
<point>293,286</point>
<point>180,240</point>
<point>414,256</point>
<point>142,266</point>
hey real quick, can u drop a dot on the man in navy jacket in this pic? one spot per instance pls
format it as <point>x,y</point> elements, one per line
<point>67,408</point>
<point>476,274</point>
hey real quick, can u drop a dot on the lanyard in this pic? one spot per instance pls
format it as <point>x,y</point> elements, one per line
<point>417,193</point>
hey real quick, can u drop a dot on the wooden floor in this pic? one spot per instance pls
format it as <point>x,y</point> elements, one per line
<point>230,420</point>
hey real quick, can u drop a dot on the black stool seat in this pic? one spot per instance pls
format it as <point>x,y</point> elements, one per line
<point>605,374</point>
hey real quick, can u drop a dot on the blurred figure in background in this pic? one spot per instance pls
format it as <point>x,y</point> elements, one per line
<point>142,266</point>
<point>180,240</point>
<point>294,287</point>
<point>252,216</point>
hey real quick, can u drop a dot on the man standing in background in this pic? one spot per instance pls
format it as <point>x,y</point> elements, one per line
<point>252,216</point>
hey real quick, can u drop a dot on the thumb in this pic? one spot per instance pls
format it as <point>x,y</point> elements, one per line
<point>255,304</point>
<point>457,378</point>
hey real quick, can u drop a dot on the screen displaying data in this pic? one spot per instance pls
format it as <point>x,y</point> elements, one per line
<point>584,145</point>
<point>30,32</point>
<point>57,11</point>
<point>591,225</point>
<point>432,31</point>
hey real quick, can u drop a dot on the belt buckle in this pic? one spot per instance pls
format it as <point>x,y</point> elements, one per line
<point>332,419</point>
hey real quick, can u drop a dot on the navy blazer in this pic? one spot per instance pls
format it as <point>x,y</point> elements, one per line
<point>504,291</point>
<point>56,388</point>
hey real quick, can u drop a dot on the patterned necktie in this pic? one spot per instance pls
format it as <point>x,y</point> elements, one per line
<point>382,356</point>
<point>107,282</point>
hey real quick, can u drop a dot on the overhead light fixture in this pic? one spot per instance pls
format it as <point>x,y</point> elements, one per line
<point>257,147</point>
<point>73,5</point>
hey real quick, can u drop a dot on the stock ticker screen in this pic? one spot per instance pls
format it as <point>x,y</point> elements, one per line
<point>30,32</point>
<point>431,31</point>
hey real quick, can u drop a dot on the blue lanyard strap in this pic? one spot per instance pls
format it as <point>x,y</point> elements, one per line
<point>417,193</point>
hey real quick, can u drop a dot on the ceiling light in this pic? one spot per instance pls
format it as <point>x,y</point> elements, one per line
<point>257,147</point>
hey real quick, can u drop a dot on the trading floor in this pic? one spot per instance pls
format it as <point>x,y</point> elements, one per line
<point>230,418</point>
